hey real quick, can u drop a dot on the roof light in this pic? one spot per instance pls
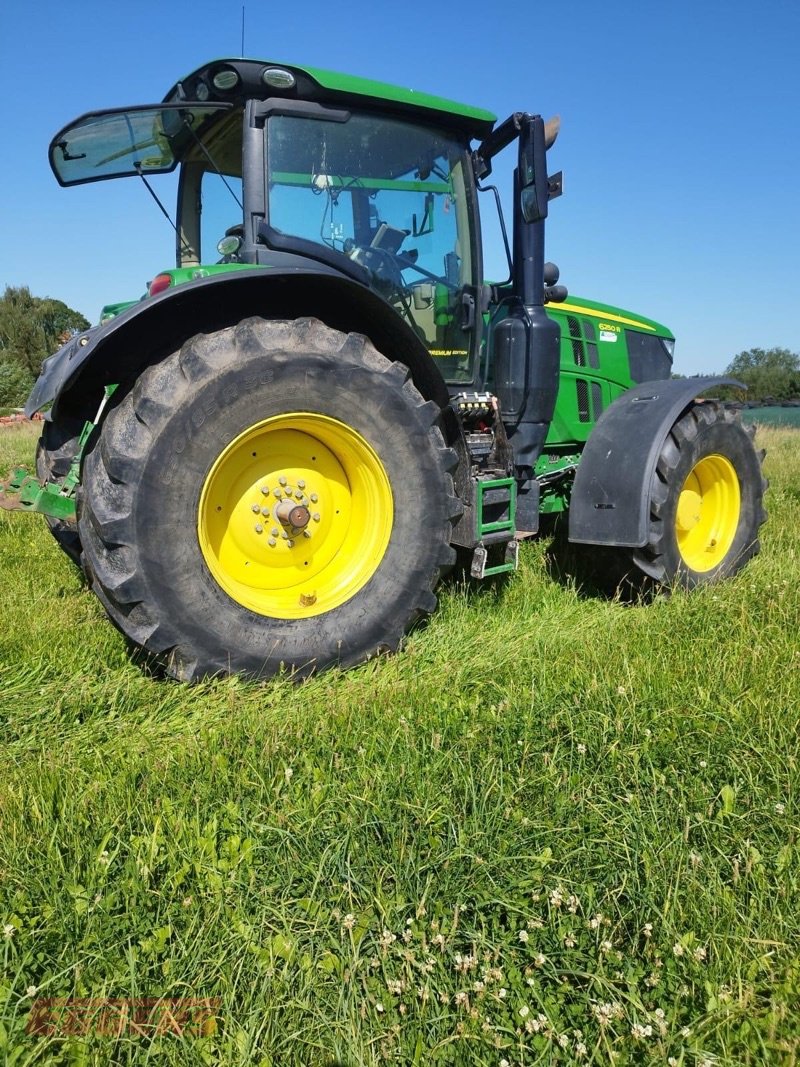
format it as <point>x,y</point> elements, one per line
<point>225,79</point>
<point>159,284</point>
<point>278,78</point>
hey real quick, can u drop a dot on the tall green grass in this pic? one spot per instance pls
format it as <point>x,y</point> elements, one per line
<point>556,829</point>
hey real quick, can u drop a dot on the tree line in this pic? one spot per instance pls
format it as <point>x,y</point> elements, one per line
<point>33,327</point>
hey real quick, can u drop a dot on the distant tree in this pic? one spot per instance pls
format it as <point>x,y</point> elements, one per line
<point>767,372</point>
<point>33,327</point>
<point>15,384</point>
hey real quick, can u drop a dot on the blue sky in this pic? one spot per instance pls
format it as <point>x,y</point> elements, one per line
<point>680,139</point>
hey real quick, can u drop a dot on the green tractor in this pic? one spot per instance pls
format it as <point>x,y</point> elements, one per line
<point>271,459</point>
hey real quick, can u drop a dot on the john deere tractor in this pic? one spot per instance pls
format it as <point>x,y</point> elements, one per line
<point>273,456</point>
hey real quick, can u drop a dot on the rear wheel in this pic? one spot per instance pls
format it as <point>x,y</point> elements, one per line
<point>706,500</point>
<point>277,493</point>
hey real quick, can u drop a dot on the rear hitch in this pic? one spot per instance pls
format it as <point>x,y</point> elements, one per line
<point>21,491</point>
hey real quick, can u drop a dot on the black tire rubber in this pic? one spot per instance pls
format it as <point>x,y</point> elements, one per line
<point>138,503</point>
<point>55,450</point>
<point>706,429</point>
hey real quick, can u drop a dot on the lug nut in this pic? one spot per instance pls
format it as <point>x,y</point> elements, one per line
<point>278,493</point>
<point>259,528</point>
<point>265,490</point>
<point>301,483</point>
<point>282,480</point>
<point>255,509</point>
<point>272,542</point>
<point>314,498</point>
<point>265,512</point>
<point>315,516</point>
<point>306,533</point>
<point>290,544</point>
<point>275,531</point>
<point>285,536</point>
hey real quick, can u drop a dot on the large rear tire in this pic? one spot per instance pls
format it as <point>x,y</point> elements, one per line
<point>706,500</point>
<point>274,494</point>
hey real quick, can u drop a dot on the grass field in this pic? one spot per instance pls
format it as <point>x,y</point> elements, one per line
<point>556,829</point>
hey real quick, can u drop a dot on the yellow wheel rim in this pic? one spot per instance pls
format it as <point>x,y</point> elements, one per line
<point>708,512</point>
<point>295,516</point>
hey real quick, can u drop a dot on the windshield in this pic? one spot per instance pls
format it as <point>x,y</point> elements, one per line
<point>391,196</point>
<point>117,144</point>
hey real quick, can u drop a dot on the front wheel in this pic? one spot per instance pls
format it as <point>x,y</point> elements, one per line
<point>706,500</point>
<point>274,494</point>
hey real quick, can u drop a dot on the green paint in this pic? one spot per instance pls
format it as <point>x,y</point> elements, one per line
<point>348,83</point>
<point>335,181</point>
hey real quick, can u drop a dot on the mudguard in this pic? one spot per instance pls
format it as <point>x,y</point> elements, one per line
<point>611,493</point>
<point>149,330</point>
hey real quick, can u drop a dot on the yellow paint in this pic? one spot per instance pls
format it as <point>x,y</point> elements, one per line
<point>707,516</point>
<point>346,491</point>
<point>602,315</point>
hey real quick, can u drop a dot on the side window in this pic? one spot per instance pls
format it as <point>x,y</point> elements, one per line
<point>218,211</point>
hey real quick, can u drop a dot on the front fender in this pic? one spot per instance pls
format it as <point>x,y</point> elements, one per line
<point>610,499</point>
<point>153,328</point>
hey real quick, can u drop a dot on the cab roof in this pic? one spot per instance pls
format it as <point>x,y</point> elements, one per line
<point>236,79</point>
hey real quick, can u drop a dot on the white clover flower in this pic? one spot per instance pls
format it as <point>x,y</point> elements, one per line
<point>534,924</point>
<point>438,939</point>
<point>478,986</point>
<point>582,748</point>
<point>8,931</point>
<point>523,936</point>
<point>104,859</point>
<point>387,938</point>
<point>595,921</point>
<point>621,690</point>
<point>606,946</point>
<point>647,930</point>
<point>539,960</point>
<point>700,954</point>
<point>408,936</point>
<point>557,897</point>
<point>640,1032</point>
<point>572,903</point>
<point>678,949</point>
<point>502,992</point>
<point>685,1031</point>
<point>780,808</point>
<point>31,991</point>
<point>461,999</point>
<point>580,1050</point>
<point>349,921</point>
<point>288,773</point>
<point>569,941</point>
<point>524,1011</point>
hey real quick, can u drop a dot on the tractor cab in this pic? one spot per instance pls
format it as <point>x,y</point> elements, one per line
<point>387,200</point>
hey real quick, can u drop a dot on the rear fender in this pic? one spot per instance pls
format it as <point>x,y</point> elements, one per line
<point>153,328</point>
<point>610,500</point>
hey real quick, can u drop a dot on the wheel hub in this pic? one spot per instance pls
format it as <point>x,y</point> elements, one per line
<point>295,515</point>
<point>707,516</point>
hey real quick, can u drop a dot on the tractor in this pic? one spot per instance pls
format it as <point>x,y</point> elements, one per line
<point>270,459</point>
